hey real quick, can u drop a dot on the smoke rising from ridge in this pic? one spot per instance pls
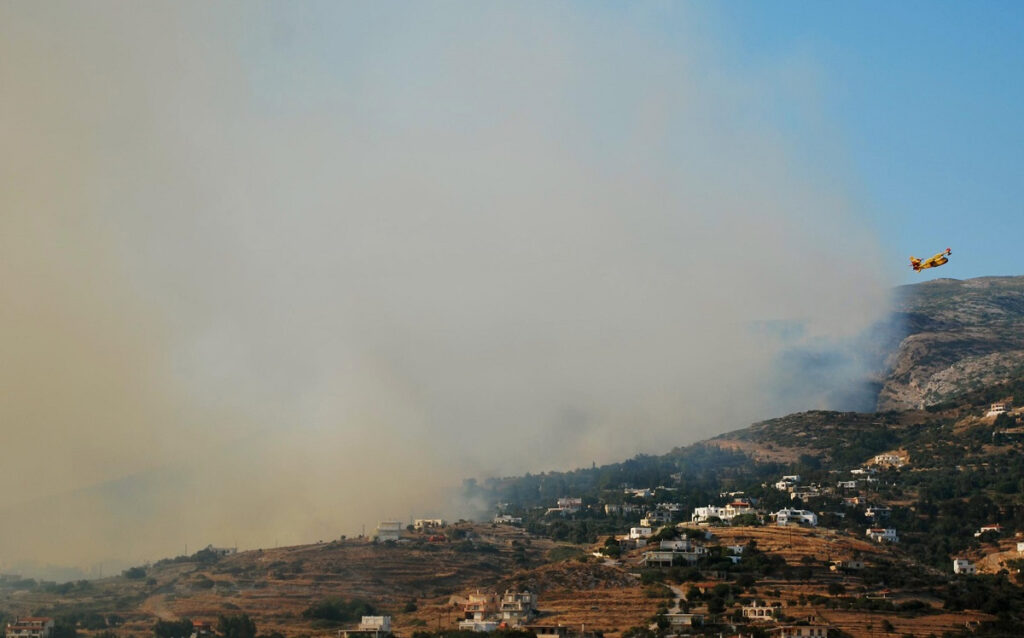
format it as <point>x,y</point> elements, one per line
<point>270,273</point>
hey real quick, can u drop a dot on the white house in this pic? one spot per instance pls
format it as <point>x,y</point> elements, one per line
<point>963,566</point>
<point>684,545</point>
<point>612,509</point>
<point>878,512</point>
<point>1020,548</point>
<point>661,558</point>
<point>636,533</point>
<point>888,458</point>
<point>655,518</point>
<point>726,513</point>
<point>853,563</point>
<point>996,409</point>
<point>804,492</point>
<point>376,626</point>
<point>847,485</point>
<point>758,610</point>
<point>31,627</point>
<point>997,528</point>
<point>882,534</point>
<point>803,517</point>
<point>787,483</point>
<point>389,530</point>
<point>507,519</point>
<point>482,626</point>
<point>427,523</point>
<point>570,504</point>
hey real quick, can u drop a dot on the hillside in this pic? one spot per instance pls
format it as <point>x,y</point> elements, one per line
<point>956,336</point>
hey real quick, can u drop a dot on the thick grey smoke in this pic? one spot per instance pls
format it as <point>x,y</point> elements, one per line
<point>271,272</point>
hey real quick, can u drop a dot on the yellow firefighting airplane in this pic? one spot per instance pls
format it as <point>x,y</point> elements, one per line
<point>932,262</point>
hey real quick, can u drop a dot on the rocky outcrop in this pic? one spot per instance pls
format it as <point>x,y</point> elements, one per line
<point>958,336</point>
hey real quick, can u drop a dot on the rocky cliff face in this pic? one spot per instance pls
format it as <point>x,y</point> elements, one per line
<point>957,336</point>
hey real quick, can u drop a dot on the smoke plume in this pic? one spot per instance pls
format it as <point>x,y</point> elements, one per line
<point>271,272</point>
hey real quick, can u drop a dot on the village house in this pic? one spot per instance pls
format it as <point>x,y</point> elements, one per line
<point>684,620</point>
<point>878,512</point>
<point>1020,548</point>
<point>480,626</point>
<point>661,558</point>
<point>788,483</point>
<point>802,517</point>
<point>220,551</point>
<point>853,563</point>
<point>882,534</point>
<point>612,509</point>
<point>847,485</point>
<point>428,523</point>
<point>636,533</point>
<point>653,519</point>
<point>758,610</point>
<point>570,504</point>
<point>507,519</point>
<point>963,566</point>
<point>725,513</point>
<point>863,471</point>
<point>997,528</point>
<point>681,545</point>
<point>389,530</point>
<point>894,460</point>
<point>31,627</point>
<point>550,631</point>
<point>669,507</point>
<point>486,611</point>
<point>805,492</point>
<point>518,608</point>
<point>996,409</point>
<point>375,626</point>
<point>480,606</point>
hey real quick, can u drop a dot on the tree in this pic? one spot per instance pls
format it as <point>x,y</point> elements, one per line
<point>240,626</point>
<point>173,628</point>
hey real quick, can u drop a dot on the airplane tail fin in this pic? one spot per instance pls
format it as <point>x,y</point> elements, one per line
<point>915,263</point>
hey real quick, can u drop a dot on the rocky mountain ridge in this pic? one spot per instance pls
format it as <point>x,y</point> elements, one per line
<point>957,335</point>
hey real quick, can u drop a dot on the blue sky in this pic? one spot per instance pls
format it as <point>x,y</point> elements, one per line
<point>926,98</point>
